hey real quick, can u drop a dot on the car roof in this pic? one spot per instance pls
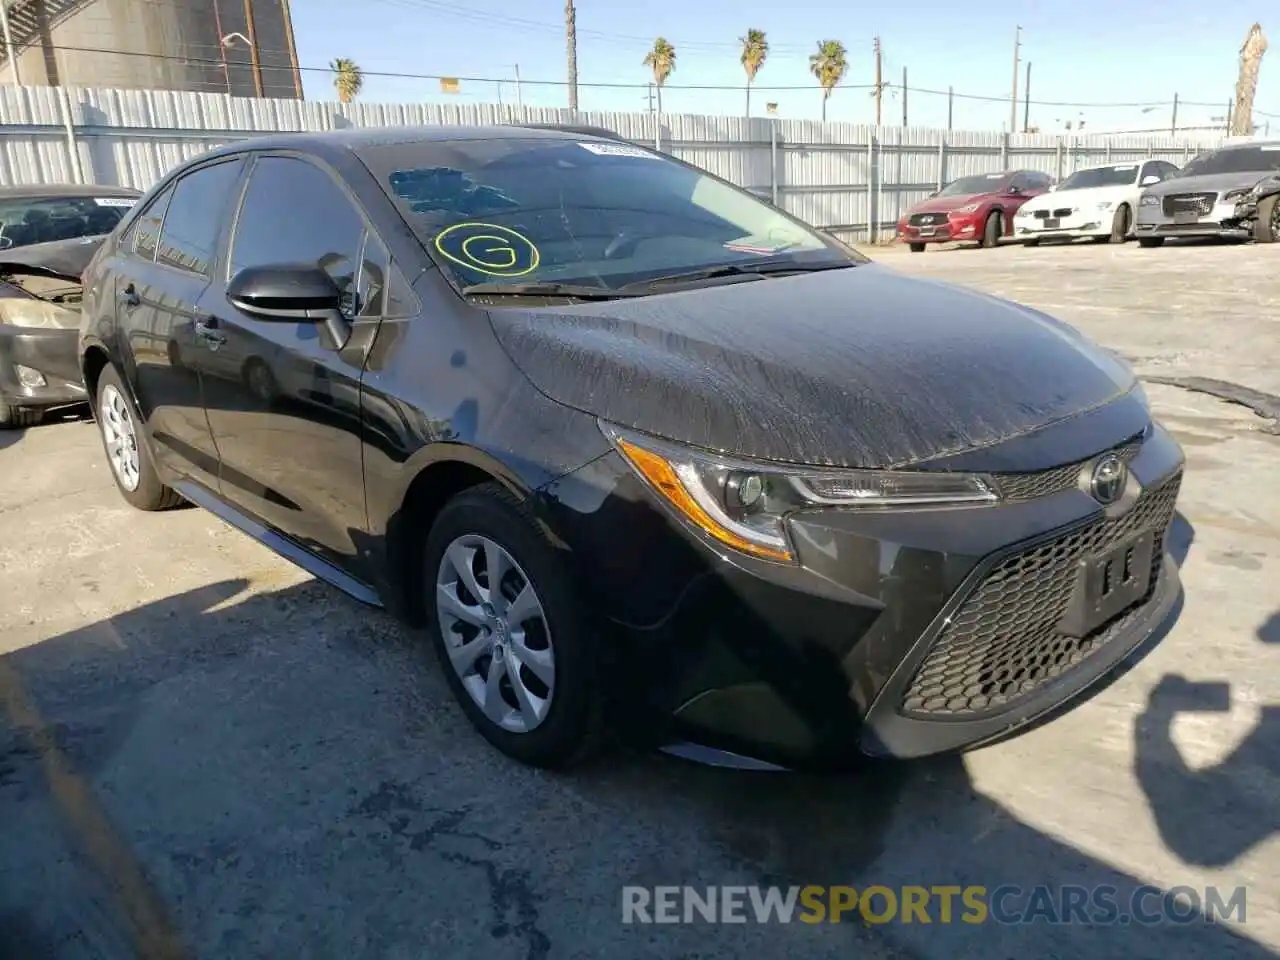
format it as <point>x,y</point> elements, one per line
<point>19,191</point>
<point>358,138</point>
<point>1251,142</point>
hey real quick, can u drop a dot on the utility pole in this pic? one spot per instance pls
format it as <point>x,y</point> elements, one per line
<point>649,97</point>
<point>519,95</point>
<point>571,41</point>
<point>1230,108</point>
<point>253,48</point>
<point>879,86</point>
<point>8,43</point>
<point>1173,123</point>
<point>1017,59</point>
<point>904,96</point>
<point>951,100</point>
<point>1026,101</point>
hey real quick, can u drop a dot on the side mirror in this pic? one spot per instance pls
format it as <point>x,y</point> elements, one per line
<point>934,194</point>
<point>290,293</point>
<point>1015,191</point>
<point>1149,179</point>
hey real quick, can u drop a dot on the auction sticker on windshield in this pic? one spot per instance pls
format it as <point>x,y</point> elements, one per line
<point>114,201</point>
<point>617,150</point>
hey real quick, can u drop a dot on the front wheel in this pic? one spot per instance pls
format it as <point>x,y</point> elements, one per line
<point>916,247</point>
<point>1266,228</point>
<point>1149,242</point>
<point>1031,242</point>
<point>1120,224</point>
<point>126,449</point>
<point>991,231</point>
<point>510,632</point>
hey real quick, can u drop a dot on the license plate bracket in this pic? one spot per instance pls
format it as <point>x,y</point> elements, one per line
<point>1108,583</point>
<point>928,231</point>
<point>1052,222</point>
<point>1186,216</point>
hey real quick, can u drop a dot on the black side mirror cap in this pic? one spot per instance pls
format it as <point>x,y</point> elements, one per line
<point>290,293</point>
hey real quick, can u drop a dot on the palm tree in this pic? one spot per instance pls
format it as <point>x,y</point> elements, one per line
<point>754,50</point>
<point>662,60</point>
<point>347,79</point>
<point>829,66</point>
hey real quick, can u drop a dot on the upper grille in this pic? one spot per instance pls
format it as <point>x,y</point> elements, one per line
<point>1029,486</point>
<point>1063,212</point>
<point>1002,644</point>
<point>927,219</point>
<point>1198,203</point>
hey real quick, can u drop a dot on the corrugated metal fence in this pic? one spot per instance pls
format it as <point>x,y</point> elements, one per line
<point>852,179</point>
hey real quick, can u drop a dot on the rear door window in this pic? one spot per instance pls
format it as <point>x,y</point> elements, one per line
<point>194,220</point>
<point>144,235</point>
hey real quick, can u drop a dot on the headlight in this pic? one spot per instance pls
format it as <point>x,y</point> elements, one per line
<point>967,208</point>
<point>1149,200</point>
<point>744,504</point>
<point>1237,194</point>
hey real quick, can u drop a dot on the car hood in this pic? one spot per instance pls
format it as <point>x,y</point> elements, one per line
<point>945,204</point>
<point>860,367</point>
<point>1215,182</point>
<point>1084,197</point>
<point>64,259</point>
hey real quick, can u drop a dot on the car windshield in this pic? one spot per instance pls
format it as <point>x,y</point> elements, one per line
<point>28,220</point>
<point>1119,175</point>
<point>566,211</point>
<point>1234,160</point>
<point>965,186</point>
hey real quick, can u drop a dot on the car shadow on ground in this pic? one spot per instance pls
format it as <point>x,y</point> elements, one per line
<point>281,773</point>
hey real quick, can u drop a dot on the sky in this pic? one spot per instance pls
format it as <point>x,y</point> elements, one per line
<point>1114,65</point>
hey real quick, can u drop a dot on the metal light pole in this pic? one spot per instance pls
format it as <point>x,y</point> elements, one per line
<point>1013,106</point>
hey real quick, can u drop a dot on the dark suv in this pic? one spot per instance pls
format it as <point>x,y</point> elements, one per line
<point>641,451</point>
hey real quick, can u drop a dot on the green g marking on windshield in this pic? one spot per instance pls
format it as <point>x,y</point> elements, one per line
<point>488,248</point>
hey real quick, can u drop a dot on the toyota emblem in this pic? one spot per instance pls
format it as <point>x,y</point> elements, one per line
<point>1109,478</point>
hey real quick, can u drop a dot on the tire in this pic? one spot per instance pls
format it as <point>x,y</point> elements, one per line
<point>571,728</point>
<point>1120,224</point>
<point>916,247</point>
<point>1266,228</point>
<point>117,418</point>
<point>991,230</point>
<point>1031,242</point>
<point>16,418</point>
<point>1150,242</point>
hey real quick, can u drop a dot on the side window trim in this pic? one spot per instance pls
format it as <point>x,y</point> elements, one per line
<point>131,232</point>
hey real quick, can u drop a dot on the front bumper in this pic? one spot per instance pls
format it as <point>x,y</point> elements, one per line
<point>1091,223</point>
<point>960,229</point>
<point>52,353</point>
<point>900,633</point>
<point>1221,221</point>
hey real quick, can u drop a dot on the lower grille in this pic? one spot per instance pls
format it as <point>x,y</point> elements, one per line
<point>1003,644</point>
<point>927,219</point>
<point>1200,204</point>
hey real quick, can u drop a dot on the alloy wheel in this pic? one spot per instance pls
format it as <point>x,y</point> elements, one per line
<point>1275,220</point>
<point>120,437</point>
<point>496,633</point>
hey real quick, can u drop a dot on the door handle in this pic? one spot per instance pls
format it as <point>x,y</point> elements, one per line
<point>129,296</point>
<point>206,330</point>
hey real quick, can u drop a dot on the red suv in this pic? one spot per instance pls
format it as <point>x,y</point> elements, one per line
<point>977,208</point>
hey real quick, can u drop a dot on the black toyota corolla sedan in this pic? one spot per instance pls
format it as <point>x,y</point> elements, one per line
<point>639,450</point>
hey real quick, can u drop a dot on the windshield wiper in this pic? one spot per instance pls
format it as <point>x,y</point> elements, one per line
<point>579,291</point>
<point>748,270</point>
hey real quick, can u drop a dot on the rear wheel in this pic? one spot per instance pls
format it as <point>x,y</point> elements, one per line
<point>916,247</point>
<point>127,451</point>
<point>1266,228</point>
<point>1120,224</point>
<point>1031,242</point>
<point>14,418</point>
<point>991,230</point>
<point>1151,242</point>
<point>511,634</point>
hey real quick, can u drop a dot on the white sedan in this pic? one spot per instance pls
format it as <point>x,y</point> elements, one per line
<point>1098,202</point>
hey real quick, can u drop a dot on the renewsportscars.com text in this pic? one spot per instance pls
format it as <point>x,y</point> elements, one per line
<point>1006,904</point>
